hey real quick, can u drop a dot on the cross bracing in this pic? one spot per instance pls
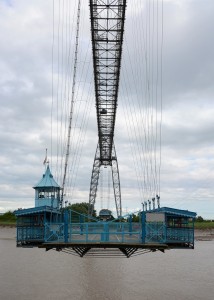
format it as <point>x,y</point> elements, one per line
<point>107,27</point>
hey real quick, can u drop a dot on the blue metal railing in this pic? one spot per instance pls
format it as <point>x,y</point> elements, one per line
<point>93,232</point>
<point>30,233</point>
<point>112,232</point>
<point>180,235</point>
<point>159,232</point>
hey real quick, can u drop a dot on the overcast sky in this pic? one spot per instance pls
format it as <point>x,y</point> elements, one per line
<point>187,161</point>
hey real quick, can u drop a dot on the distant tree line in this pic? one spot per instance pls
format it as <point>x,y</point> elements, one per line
<point>81,208</point>
<point>200,219</point>
<point>8,217</point>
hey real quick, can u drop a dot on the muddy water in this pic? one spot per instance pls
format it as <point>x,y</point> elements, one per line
<point>36,274</point>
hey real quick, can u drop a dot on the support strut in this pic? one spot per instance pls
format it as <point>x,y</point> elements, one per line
<point>95,180</point>
<point>116,182</point>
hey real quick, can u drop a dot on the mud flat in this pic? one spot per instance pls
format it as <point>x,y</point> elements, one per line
<point>204,234</point>
<point>7,232</point>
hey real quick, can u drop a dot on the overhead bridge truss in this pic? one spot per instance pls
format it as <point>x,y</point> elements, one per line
<point>107,27</point>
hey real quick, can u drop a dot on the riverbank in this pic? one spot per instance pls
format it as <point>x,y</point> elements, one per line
<point>204,234</point>
<point>9,232</point>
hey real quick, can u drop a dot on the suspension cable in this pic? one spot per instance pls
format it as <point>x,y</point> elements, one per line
<point>72,103</point>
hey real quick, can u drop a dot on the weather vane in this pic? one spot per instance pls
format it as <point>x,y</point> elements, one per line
<point>46,161</point>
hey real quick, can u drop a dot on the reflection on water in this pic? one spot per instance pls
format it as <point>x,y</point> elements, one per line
<point>36,274</point>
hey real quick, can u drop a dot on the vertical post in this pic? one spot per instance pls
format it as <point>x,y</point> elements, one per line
<point>81,224</point>
<point>86,232</point>
<point>130,225</point>
<point>45,232</point>
<point>66,225</point>
<point>103,233</point>
<point>106,232</point>
<point>165,229</point>
<point>158,200</point>
<point>122,232</point>
<point>143,206</point>
<point>153,203</point>
<point>165,232</point>
<point>143,227</point>
<point>17,230</point>
<point>44,224</point>
<point>71,225</point>
<point>193,234</point>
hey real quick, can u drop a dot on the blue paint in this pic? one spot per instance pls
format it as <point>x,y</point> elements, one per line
<point>81,224</point>
<point>130,224</point>
<point>143,219</point>
<point>47,191</point>
<point>66,226</point>
<point>41,224</point>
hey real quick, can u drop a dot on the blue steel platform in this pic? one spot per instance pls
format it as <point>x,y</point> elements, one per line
<point>75,233</point>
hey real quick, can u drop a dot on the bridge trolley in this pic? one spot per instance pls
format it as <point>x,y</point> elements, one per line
<point>50,227</point>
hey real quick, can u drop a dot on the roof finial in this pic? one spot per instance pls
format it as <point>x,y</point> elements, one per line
<point>46,157</point>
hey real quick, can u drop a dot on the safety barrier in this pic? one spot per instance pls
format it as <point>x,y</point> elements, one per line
<point>93,232</point>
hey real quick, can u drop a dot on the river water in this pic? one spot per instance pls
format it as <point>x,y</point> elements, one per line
<point>37,274</point>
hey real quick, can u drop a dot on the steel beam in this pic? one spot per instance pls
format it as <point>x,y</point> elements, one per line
<point>107,28</point>
<point>94,181</point>
<point>116,183</point>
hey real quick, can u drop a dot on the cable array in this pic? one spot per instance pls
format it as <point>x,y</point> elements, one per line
<point>141,91</point>
<point>72,87</point>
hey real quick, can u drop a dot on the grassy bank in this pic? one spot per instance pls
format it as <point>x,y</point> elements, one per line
<point>9,224</point>
<point>8,219</point>
<point>204,225</point>
<point>198,225</point>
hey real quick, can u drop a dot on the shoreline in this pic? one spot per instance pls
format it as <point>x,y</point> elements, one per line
<point>8,231</point>
<point>204,234</point>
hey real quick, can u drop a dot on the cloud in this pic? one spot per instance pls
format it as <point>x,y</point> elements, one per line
<point>187,107</point>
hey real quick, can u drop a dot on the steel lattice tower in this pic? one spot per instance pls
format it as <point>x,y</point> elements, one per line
<point>107,27</point>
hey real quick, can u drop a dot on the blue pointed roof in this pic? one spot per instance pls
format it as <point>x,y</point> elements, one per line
<point>47,180</point>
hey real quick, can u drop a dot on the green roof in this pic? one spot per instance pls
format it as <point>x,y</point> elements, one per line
<point>47,180</point>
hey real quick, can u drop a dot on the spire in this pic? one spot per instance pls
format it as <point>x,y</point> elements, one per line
<point>46,157</point>
<point>47,180</point>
